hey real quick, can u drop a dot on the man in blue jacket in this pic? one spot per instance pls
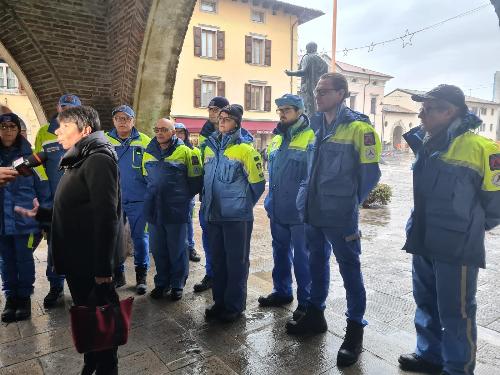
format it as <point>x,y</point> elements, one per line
<point>174,176</point>
<point>211,125</point>
<point>129,145</point>
<point>287,168</point>
<point>343,169</point>
<point>46,140</point>
<point>456,192</point>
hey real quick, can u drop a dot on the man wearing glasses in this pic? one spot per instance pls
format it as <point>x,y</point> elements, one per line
<point>46,141</point>
<point>456,193</point>
<point>174,176</point>
<point>343,169</point>
<point>287,168</point>
<point>210,126</point>
<point>129,145</point>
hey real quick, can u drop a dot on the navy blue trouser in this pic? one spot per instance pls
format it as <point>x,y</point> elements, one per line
<point>206,244</point>
<point>230,241</point>
<point>445,318</point>
<point>168,243</point>
<point>190,231</point>
<point>140,236</point>
<point>321,242</point>
<point>289,247</point>
<point>17,264</point>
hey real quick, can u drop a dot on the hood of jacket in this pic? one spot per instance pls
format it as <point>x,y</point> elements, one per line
<point>299,125</point>
<point>92,144</point>
<point>134,134</point>
<point>155,149</point>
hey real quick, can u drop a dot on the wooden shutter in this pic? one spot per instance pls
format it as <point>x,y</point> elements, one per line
<point>221,88</point>
<point>267,98</point>
<point>197,40</point>
<point>221,45</point>
<point>267,53</point>
<point>197,93</point>
<point>248,49</point>
<point>248,96</point>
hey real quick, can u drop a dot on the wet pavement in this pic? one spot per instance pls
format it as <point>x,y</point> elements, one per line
<point>173,337</point>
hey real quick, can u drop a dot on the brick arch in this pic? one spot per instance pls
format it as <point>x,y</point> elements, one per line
<point>108,52</point>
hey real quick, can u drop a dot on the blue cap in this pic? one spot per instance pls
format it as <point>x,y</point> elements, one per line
<point>125,109</point>
<point>180,125</point>
<point>290,99</point>
<point>69,99</point>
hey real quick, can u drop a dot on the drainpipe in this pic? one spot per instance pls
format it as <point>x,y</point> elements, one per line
<point>291,52</point>
<point>364,92</point>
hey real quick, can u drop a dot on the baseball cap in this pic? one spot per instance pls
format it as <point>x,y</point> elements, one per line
<point>448,93</point>
<point>69,99</point>
<point>218,101</point>
<point>290,99</point>
<point>180,125</point>
<point>125,109</point>
<point>11,117</point>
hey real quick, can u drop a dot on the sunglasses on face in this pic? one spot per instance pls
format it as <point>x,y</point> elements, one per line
<point>161,130</point>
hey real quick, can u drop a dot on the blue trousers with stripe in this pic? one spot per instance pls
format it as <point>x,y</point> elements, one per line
<point>17,264</point>
<point>445,319</point>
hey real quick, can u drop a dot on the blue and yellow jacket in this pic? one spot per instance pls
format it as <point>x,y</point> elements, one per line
<point>130,152</point>
<point>287,169</point>
<point>342,169</point>
<point>456,191</point>
<point>173,178</point>
<point>21,191</point>
<point>46,140</point>
<point>233,178</point>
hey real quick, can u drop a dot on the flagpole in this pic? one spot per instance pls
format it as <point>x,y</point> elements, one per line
<point>334,36</point>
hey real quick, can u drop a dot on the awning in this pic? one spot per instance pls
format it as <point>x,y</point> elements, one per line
<point>194,125</point>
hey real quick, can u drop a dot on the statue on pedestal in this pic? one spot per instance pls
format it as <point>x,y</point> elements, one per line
<point>311,68</point>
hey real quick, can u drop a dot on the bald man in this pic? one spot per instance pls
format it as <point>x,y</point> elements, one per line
<point>174,176</point>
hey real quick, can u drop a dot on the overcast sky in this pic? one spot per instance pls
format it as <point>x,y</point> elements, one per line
<point>464,51</point>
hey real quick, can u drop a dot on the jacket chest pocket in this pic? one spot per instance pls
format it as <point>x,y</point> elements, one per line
<point>229,171</point>
<point>137,154</point>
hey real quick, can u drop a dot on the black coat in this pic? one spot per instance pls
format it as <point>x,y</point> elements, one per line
<point>87,225</point>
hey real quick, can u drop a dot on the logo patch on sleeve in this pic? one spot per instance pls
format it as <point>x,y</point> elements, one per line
<point>369,139</point>
<point>496,180</point>
<point>194,160</point>
<point>495,162</point>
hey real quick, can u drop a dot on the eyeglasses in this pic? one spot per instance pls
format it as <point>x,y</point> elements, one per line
<point>429,109</point>
<point>226,119</point>
<point>283,110</point>
<point>161,130</point>
<point>323,92</point>
<point>8,127</point>
<point>122,118</point>
<point>213,109</point>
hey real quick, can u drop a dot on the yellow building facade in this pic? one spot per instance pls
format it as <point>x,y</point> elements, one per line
<point>238,49</point>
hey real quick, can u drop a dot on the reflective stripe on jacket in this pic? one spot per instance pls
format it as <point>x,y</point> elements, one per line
<point>233,178</point>
<point>130,152</point>
<point>456,191</point>
<point>287,169</point>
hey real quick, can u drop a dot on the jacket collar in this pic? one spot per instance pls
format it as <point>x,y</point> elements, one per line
<point>134,134</point>
<point>94,143</point>
<point>301,124</point>
<point>155,149</point>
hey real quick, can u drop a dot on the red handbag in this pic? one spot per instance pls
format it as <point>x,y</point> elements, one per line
<point>96,328</point>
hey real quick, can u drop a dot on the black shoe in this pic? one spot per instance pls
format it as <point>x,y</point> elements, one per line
<point>415,363</point>
<point>229,317</point>
<point>88,369</point>
<point>176,294</point>
<point>274,299</point>
<point>55,295</point>
<point>193,255</point>
<point>119,278</point>
<point>9,311</point>
<point>352,346</point>
<point>214,312</point>
<point>204,284</point>
<point>313,321</point>
<point>158,292</point>
<point>23,310</point>
<point>141,274</point>
<point>299,312</point>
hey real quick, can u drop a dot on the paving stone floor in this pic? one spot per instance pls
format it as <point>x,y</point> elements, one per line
<point>173,337</point>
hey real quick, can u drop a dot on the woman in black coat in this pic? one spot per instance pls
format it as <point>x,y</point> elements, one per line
<point>86,217</point>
